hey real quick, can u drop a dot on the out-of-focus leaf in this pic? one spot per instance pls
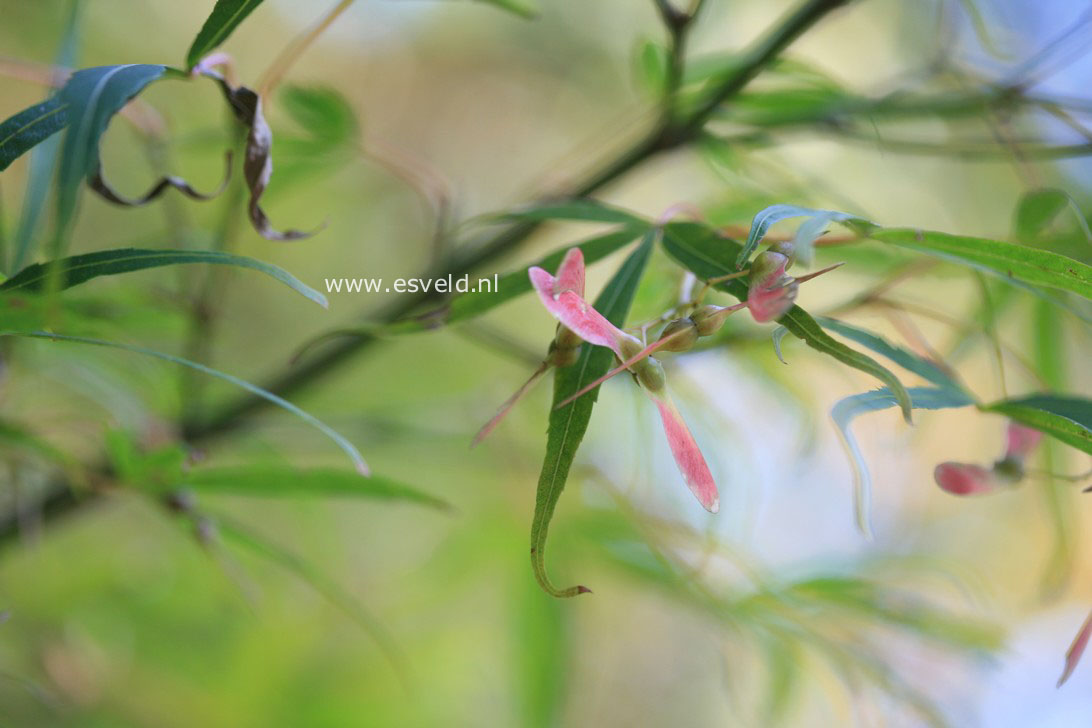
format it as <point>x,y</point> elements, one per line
<point>156,470</point>
<point>258,164</point>
<point>783,664</point>
<point>847,409</point>
<point>16,436</point>
<point>579,211</point>
<point>225,17</point>
<point>1037,209</point>
<point>268,549</point>
<point>331,132</point>
<point>470,305</point>
<point>43,160</point>
<point>778,107</point>
<point>318,424</point>
<point>542,652</point>
<point>522,8</point>
<point>569,423</point>
<point>926,369</point>
<point>1005,260</point>
<point>652,64</point>
<point>275,481</point>
<point>871,600</point>
<point>79,269</point>
<point>764,219</point>
<point>709,255</point>
<point>778,335</point>
<point>30,127</point>
<point>1048,341</point>
<point>803,243</point>
<point>1066,417</point>
<point>93,96</point>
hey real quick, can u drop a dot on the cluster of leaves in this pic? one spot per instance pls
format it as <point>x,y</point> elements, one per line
<point>82,108</point>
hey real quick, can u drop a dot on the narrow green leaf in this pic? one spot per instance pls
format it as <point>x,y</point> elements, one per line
<point>1006,260</point>
<point>870,600</point>
<point>79,269</point>
<point>43,160</point>
<point>542,649</point>
<point>522,8</point>
<point>277,480</point>
<point>568,424</point>
<point>225,17</point>
<point>709,255</point>
<point>331,131</point>
<point>1048,344</point>
<point>847,409</point>
<point>652,63</point>
<point>924,368</point>
<point>579,211</point>
<point>30,127</point>
<point>310,419</point>
<point>1066,417</point>
<point>764,219</point>
<point>93,96</point>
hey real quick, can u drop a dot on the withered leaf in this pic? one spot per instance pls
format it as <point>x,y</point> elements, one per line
<point>258,163</point>
<point>100,185</point>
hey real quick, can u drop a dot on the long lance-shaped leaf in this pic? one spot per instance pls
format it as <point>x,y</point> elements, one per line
<point>1048,343</point>
<point>765,218</point>
<point>285,481</point>
<point>79,269</point>
<point>568,424</point>
<point>578,211</point>
<point>30,127</point>
<point>845,410</point>
<point>926,369</point>
<point>225,17</point>
<point>709,255</point>
<point>93,96</point>
<point>310,419</point>
<point>523,8</point>
<point>1005,260</point>
<point>1066,417</point>
<point>43,160</point>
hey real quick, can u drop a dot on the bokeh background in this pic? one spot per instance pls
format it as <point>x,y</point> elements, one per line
<point>118,616</point>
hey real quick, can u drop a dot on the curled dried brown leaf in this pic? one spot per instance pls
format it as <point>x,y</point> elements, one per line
<point>246,104</point>
<point>103,188</point>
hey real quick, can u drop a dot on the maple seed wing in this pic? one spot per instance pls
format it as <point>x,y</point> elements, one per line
<point>570,274</point>
<point>688,456</point>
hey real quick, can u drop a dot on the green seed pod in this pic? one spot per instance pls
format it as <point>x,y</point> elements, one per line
<point>630,346</point>
<point>706,320</point>
<point>787,249</point>
<point>765,265</point>
<point>684,333</point>
<point>565,348</point>
<point>1010,470</point>
<point>562,356</point>
<point>650,373</point>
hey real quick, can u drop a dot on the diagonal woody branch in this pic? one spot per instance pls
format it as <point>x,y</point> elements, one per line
<point>666,135</point>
